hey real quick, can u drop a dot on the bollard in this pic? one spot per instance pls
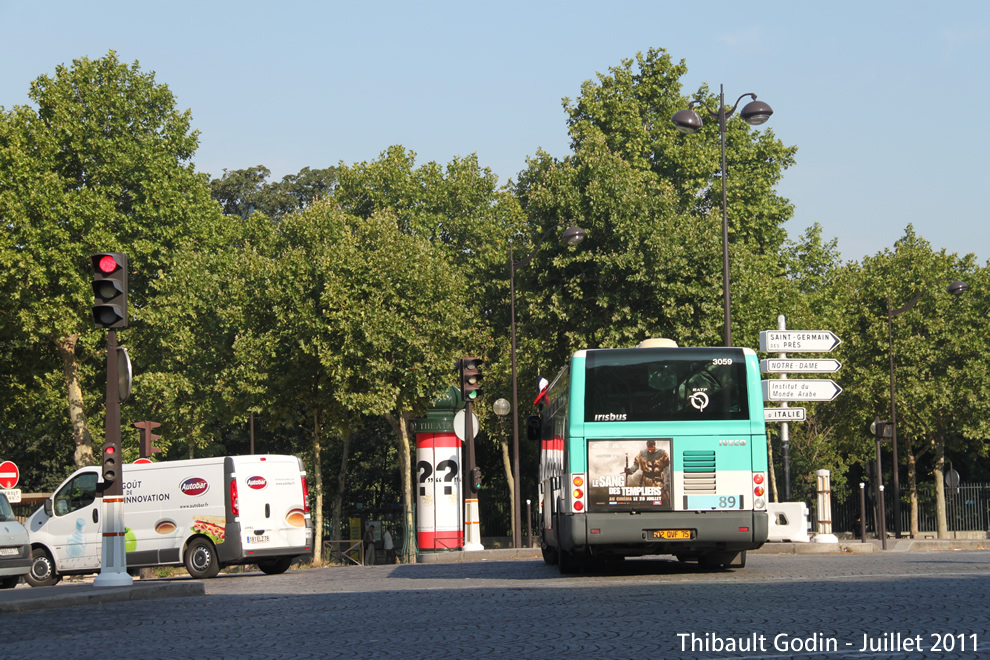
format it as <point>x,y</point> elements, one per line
<point>823,511</point>
<point>862,512</point>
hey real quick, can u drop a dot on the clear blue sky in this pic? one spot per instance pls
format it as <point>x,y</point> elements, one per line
<point>886,101</point>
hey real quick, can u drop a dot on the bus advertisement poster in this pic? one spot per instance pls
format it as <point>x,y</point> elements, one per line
<point>629,475</point>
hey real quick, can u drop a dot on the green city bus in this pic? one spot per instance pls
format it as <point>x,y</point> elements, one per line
<point>653,450</point>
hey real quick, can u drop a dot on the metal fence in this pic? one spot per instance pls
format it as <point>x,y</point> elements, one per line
<point>967,509</point>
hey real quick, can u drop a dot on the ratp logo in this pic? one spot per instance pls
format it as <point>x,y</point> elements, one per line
<point>699,400</point>
<point>194,486</point>
<point>257,483</point>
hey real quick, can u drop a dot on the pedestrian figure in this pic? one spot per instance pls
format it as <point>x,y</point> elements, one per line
<point>389,546</point>
<point>369,546</point>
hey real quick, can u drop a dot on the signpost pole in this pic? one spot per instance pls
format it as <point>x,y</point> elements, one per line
<point>785,428</point>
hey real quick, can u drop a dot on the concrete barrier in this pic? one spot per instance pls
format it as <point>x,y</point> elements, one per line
<point>788,522</point>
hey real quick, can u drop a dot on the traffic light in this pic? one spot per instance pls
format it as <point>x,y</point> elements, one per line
<point>111,464</point>
<point>470,370</point>
<point>110,289</point>
<point>147,437</point>
<point>475,479</point>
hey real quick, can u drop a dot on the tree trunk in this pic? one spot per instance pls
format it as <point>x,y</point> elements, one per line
<point>507,464</point>
<point>940,518</point>
<point>83,454</point>
<point>400,425</point>
<point>318,489</point>
<point>405,467</point>
<point>338,500</point>
<point>913,490</point>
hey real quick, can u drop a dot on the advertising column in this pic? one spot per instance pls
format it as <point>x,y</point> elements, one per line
<point>439,519</point>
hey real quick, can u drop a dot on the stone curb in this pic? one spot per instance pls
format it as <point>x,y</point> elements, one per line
<point>25,599</point>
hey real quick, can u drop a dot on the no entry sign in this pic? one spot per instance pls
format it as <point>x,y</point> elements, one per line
<point>8,475</point>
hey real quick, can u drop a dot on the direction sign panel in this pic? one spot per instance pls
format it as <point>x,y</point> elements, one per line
<point>781,389</point>
<point>781,366</point>
<point>798,341</point>
<point>784,414</point>
<point>9,475</point>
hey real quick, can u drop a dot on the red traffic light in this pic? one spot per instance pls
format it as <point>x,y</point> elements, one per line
<point>107,264</point>
<point>109,449</point>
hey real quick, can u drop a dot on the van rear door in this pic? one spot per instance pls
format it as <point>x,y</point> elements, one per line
<point>271,508</point>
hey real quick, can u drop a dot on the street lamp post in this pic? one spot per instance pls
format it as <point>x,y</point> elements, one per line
<point>880,430</point>
<point>687,121</point>
<point>571,236</point>
<point>955,288</point>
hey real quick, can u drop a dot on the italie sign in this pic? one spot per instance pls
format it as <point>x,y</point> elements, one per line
<point>785,414</point>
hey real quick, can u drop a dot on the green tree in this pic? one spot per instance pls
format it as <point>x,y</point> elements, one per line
<point>245,191</point>
<point>104,163</point>
<point>632,109</point>
<point>466,215</point>
<point>940,385</point>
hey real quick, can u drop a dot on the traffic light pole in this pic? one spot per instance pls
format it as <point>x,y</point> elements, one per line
<point>472,522</point>
<point>113,568</point>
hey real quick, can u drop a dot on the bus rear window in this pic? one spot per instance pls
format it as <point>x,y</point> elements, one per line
<point>665,384</point>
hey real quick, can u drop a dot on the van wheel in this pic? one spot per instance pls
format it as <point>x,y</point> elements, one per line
<point>201,559</point>
<point>275,566</point>
<point>42,570</point>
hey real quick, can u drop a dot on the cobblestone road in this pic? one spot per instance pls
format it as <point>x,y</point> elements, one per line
<point>908,605</point>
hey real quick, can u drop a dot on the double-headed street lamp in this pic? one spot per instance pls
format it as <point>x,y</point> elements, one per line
<point>687,121</point>
<point>955,288</point>
<point>571,236</point>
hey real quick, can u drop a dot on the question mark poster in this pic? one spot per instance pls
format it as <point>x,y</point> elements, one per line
<point>439,520</point>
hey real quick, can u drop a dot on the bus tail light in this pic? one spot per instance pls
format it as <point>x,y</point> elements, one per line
<point>577,492</point>
<point>758,490</point>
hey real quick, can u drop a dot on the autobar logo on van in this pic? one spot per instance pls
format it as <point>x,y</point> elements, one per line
<point>194,486</point>
<point>257,483</point>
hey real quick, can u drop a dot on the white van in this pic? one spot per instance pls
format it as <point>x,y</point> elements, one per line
<point>205,513</point>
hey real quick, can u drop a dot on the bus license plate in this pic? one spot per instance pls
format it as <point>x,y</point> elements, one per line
<point>671,534</point>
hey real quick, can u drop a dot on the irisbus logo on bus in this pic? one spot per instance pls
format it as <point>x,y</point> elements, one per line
<point>257,483</point>
<point>611,417</point>
<point>194,486</point>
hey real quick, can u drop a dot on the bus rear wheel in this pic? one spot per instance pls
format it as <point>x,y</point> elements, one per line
<point>569,563</point>
<point>722,560</point>
<point>550,555</point>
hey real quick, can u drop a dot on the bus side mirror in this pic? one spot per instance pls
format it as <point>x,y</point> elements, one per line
<point>534,428</point>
